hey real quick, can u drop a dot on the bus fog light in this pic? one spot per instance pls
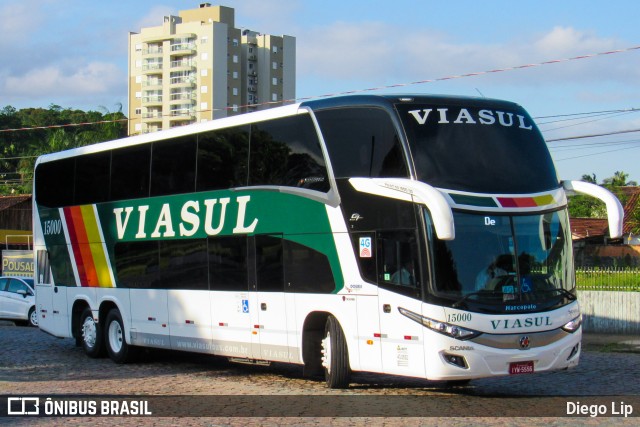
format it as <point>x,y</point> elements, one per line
<point>574,351</point>
<point>455,360</point>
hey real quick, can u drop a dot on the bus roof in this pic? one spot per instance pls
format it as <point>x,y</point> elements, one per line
<point>383,101</point>
<point>390,100</point>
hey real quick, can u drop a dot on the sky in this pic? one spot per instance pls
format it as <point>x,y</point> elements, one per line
<point>73,53</point>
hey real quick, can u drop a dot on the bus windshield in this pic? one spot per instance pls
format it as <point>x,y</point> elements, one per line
<point>506,263</point>
<point>489,147</point>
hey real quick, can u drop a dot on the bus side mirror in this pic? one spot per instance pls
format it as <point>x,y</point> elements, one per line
<point>615,211</point>
<point>416,192</point>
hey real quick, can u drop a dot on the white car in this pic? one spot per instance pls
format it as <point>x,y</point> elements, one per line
<point>18,300</point>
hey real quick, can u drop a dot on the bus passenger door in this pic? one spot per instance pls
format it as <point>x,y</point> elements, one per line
<point>51,305</point>
<point>51,300</point>
<point>399,279</point>
<point>269,321</point>
<point>369,337</point>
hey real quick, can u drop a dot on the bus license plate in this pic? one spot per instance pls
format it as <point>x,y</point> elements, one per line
<point>516,368</point>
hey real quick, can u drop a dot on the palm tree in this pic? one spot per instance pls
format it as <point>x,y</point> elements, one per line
<point>619,179</point>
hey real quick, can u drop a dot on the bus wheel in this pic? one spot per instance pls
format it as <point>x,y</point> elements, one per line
<point>117,347</point>
<point>335,357</point>
<point>91,335</point>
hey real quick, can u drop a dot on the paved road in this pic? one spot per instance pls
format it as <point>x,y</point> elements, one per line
<point>33,363</point>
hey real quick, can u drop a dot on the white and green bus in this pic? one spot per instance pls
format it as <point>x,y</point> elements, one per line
<point>423,236</point>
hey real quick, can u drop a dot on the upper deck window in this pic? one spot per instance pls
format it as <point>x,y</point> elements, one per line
<point>362,142</point>
<point>478,149</point>
<point>280,152</point>
<point>287,152</point>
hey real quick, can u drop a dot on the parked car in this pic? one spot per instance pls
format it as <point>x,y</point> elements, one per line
<point>18,300</point>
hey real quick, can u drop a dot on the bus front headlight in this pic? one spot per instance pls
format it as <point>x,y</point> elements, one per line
<point>573,325</point>
<point>453,331</point>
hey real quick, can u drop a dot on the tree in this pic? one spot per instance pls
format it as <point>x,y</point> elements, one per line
<point>619,179</point>
<point>57,129</point>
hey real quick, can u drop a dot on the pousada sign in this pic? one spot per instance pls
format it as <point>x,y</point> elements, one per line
<point>17,263</point>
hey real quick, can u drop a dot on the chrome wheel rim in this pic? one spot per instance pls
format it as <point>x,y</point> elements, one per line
<point>326,352</point>
<point>34,318</point>
<point>89,332</point>
<point>115,336</point>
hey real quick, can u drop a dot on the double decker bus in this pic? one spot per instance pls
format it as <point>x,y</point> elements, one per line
<point>422,236</point>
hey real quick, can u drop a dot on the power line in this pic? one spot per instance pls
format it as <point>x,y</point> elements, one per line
<point>590,112</point>
<point>352,92</point>
<point>18,158</point>
<point>64,125</point>
<point>586,121</point>
<point>591,145</point>
<point>596,154</point>
<point>603,116</point>
<point>594,135</point>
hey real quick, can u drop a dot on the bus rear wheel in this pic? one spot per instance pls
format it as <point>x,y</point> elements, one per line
<point>117,347</point>
<point>335,356</point>
<point>91,334</point>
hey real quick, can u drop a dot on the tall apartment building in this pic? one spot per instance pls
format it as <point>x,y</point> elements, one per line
<point>197,66</point>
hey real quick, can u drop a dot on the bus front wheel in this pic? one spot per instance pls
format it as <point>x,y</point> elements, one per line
<point>91,334</point>
<point>335,357</point>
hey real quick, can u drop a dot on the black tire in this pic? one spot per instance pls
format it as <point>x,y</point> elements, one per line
<point>335,356</point>
<point>114,338</point>
<point>312,354</point>
<point>91,334</point>
<point>33,317</point>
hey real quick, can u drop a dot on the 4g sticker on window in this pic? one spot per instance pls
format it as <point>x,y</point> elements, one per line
<point>366,251</point>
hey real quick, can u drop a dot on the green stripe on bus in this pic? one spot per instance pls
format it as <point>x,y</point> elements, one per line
<point>463,199</point>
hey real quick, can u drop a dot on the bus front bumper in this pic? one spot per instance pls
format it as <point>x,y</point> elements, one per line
<point>498,355</point>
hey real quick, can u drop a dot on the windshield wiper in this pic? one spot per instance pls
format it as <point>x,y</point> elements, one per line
<point>565,293</point>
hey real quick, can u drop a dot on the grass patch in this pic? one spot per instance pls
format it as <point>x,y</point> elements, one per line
<point>621,280</point>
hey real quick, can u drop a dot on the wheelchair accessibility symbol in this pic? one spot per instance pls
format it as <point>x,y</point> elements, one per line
<point>245,306</point>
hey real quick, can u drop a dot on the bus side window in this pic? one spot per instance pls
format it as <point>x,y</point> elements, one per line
<point>366,253</point>
<point>287,152</point>
<point>137,264</point>
<point>61,266</point>
<point>92,178</point>
<point>183,264</point>
<point>130,172</point>
<point>306,270</point>
<point>398,259</point>
<point>44,268</point>
<point>54,183</point>
<point>228,263</point>
<point>269,266</point>
<point>362,142</point>
<point>173,166</point>
<point>223,157</point>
